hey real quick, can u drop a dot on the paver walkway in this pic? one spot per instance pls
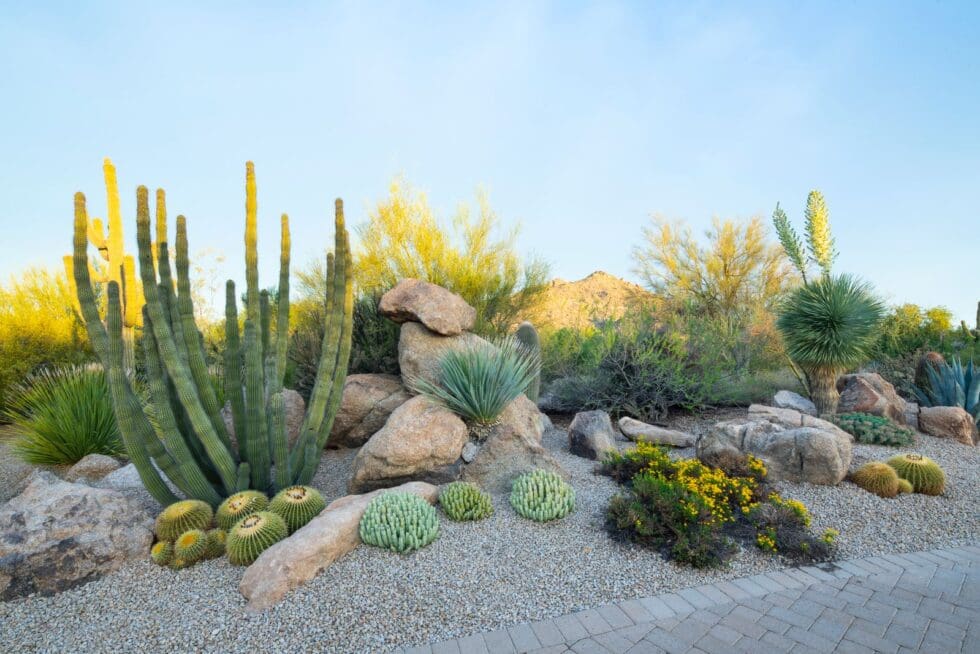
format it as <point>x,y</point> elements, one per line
<point>922,602</point>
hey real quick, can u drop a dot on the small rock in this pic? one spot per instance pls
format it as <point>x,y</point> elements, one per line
<point>470,450</point>
<point>948,422</point>
<point>640,431</point>
<point>868,392</point>
<point>440,310</point>
<point>795,401</point>
<point>590,434</point>
<point>92,467</point>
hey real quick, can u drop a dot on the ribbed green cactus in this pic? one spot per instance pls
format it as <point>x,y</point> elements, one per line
<point>191,545</point>
<point>254,535</point>
<point>162,552</point>
<point>187,440</point>
<point>216,544</point>
<point>542,495</point>
<point>297,505</point>
<point>182,516</point>
<point>877,478</point>
<point>239,505</point>
<point>400,522</point>
<point>462,500</point>
<point>527,336</point>
<point>904,486</point>
<point>923,473</point>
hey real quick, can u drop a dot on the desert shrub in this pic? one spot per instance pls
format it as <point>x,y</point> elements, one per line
<point>403,238</point>
<point>899,370</point>
<point>478,382</point>
<point>873,430</point>
<point>61,415</point>
<point>755,387</point>
<point>783,527</point>
<point>623,466</point>
<point>908,327</point>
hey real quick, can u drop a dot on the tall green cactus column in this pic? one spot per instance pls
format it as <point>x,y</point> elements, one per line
<point>527,336</point>
<point>187,442</point>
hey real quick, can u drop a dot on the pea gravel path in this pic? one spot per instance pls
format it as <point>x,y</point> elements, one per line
<point>476,577</point>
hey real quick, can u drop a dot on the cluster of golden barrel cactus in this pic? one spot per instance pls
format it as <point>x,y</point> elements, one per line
<point>905,473</point>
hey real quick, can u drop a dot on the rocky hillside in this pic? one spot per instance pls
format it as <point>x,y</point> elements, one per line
<point>596,297</point>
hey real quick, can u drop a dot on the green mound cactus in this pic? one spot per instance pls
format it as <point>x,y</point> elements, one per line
<point>874,430</point>
<point>923,473</point>
<point>254,534</point>
<point>216,544</point>
<point>400,522</point>
<point>527,336</point>
<point>297,505</point>
<point>191,545</point>
<point>542,495</point>
<point>238,506</point>
<point>878,478</point>
<point>162,552</point>
<point>465,501</point>
<point>904,486</point>
<point>182,516</point>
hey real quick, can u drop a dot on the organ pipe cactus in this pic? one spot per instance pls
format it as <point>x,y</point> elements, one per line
<point>527,336</point>
<point>186,441</point>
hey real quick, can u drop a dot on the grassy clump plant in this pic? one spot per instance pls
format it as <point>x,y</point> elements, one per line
<point>463,501</point>
<point>400,522</point>
<point>61,415</point>
<point>873,430</point>
<point>478,382</point>
<point>542,496</point>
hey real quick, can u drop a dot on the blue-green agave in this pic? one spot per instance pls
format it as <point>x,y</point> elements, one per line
<point>952,384</point>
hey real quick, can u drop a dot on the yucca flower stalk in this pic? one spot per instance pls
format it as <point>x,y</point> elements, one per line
<point>478,382</point>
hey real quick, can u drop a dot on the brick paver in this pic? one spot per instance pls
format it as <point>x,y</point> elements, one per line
<point>918,602</point>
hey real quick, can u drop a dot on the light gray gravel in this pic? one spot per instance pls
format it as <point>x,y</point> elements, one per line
<point>475,577</point>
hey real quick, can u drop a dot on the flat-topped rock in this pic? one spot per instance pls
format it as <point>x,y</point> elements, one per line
<point>795,401</point>
<point>442,311</point>
<point>636,430</point>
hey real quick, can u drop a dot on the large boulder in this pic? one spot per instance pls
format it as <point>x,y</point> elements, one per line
<point>868,392</point>
<point>635,430</point>
<point>504,455</point>
<point>591,434</point>
<point>56,535</point>
<point>297,559</point>
<point>951,422</point>
<point>295,414</point>
<point>420,350</point>
<point>367,402</point>
<point>92,467</point>
<point>442,311</point>
<point>795,401</point>
<point>794,448</point>
<point>13,471</point>
<point>421,441</point>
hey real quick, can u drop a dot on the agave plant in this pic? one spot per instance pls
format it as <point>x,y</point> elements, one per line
<point>952,385</point>
<point>828,326</point>
<point>479,381</point>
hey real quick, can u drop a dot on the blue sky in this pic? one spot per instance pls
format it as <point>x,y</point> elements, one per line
<point>580,119</point>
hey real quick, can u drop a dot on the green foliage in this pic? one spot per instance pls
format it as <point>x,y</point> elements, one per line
<point>923,473</point>
<point>873,430</point>
<point>36,298</point>
<point>181,432</point>
<point>908,327</point>
<point>478,382</point>
<point>464,501</point>
<point>237,506</point>
<point>788,238</point>
<point>297,505</point>
<point>61,415</point>
<point>756,387</point>
<point>400,522</point>
<point>623,466</point>
<point>952,384</point>
<point>253,535</point>
<point>542,495</point>
<point>162,552</point>
<point>403,238</point>
<point>781,527</point>
<point>527,336</point>
<point>191,545</point>
<point>216,543</point>
<point>878,478</point>
<point>181,517</point>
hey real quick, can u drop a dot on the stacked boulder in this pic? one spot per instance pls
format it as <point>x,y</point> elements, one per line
<point>409,438</point>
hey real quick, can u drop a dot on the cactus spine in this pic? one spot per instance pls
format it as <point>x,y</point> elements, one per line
<point>181,517</point>
<point>238,506</point>
<point>297,505</point>
<point>253,535</point>
<point>187,440</point>
<point>527,336</point>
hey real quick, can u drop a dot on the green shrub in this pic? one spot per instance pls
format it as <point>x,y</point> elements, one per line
<point>542,495</point>
<point>465,501</point>
<point>478,382</point>
<point>952,384</point>
<point>779,526</point>
<point>400,522</point>
<point>61,415</point>
<point>755,387</point>
<point>873,430</point>
<point>623,466</point>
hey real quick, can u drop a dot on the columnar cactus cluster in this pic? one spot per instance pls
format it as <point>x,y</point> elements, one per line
<point>187,440</point>
<point>527,336</point>
<point>542,495</point>
<point>465,501</point>
<point>400,522</point>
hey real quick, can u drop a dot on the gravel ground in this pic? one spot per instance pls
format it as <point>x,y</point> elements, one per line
<point>475,577</point>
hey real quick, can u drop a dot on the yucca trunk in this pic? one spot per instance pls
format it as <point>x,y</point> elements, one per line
<point>823,389</point>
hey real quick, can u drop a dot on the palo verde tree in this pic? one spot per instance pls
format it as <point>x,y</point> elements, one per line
<point>180,432</point>
<point>829,324</point>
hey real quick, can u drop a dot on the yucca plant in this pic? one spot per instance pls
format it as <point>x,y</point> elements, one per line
<point>479,381</point>
<point>61,415</point>
<point>952,384</point>
<point>829,326</point>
